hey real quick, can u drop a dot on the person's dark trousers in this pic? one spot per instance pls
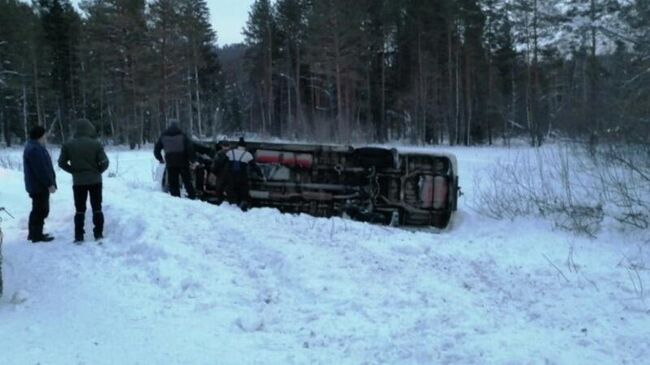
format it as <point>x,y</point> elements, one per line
<point>243,193</point>
<point>230,189</point>
<point>199,175</point>
<point>238,191</point>
<point>224,186</point>
<point>174,183</point>
<point>81,193</point>
<point>40,211</point>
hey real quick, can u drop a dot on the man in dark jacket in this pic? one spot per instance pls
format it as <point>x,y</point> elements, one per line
<point>202,155</point>
<point>179,153</point>
<point>85,159</point>
<point>218,172</point>
<point>40,182</point>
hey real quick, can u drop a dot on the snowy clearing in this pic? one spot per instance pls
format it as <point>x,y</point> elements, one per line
<point>184,282</point>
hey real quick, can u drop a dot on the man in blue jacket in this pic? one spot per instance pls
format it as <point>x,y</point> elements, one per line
<point>40,182</point>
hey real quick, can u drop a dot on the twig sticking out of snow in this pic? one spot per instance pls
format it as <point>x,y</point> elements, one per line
<point>633,274</point>
<point>557,268</point>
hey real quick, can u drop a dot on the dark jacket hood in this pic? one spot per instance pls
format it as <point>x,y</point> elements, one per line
<point>83,128</point>
<point>173,130</point>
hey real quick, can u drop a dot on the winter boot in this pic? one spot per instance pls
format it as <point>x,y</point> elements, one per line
<point>42,238</point>
<point>79,227</point>
<point>98,221</point>
<point>33,228</point>
<point>36,232</point>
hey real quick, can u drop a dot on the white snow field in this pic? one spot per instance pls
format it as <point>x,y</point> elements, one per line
<point>184,282</point>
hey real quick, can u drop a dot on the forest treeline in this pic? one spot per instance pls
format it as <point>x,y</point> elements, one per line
<point>418,71</point>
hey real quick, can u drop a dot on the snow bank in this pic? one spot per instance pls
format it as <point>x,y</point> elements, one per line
<point>183,282</point>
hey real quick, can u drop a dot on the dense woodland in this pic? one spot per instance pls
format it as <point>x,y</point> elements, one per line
<point>418,71</point>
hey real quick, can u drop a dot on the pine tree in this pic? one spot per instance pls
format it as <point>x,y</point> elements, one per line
<point>117,41</point>
<point>167,45</point>
<point>234,111</point>
<point>335,56</point>
<point>18,70</point>
<point>503,93</point>
<point>260,33</point>
<point>60,23</point>
<point>196,29</point>
<point>635,105</point>
<point>292,31</point>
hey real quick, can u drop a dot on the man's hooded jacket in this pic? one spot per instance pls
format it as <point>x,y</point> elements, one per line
<point>84,156</point>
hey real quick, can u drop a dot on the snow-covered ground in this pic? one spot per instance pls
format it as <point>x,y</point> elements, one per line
<point>183,282</point>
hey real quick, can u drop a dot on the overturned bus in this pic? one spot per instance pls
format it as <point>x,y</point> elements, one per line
<point>371,184</point>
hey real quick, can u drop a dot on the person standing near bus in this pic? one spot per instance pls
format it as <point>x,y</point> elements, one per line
<point>179,154</point>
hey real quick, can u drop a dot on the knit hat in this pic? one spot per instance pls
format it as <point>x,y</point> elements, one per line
<point>221,145</point>
<point>36,132</point>
<point>84,128</point>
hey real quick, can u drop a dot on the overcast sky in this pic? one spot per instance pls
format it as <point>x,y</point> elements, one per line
<point>228,18</point>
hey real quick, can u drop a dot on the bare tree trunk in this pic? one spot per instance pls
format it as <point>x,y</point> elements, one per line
<point>3,127</point>
<point>84,105</point>
<point>529,81</point>
<point>450,75</point>
<point>593,29</point>
<point>162,102</point>
<point>215,123</point>
<point>190,111</point>
<point>262,112</point>
<point>369,116</point>
<point>457,72</point>
<point>269,77</point>
<point>37,93</point>
<point>25,108</point>
<point>513,108</point>
<point>101,101</point>
<point>468,99</point>
<point>339,86</point>
<point>593,75</point>
<point>536,88</point>
<point>250,117</point>
<point>421,118</point>
<point>491,99</point>
<point>199,119</point>
<point>110,118</point>
<point>59,119</point>
<point>314,100</point>
<point>348,112</point>
<point>73,97</point>
<point>299,113</point>
<point>141,136</point>
<point>382,111</point>
<point>290,121</point>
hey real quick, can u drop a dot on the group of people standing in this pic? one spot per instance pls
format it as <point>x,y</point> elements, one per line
<point>224,177</point>
<point>83,157</point>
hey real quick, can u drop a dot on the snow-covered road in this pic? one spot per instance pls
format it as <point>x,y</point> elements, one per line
<point>183,282</point>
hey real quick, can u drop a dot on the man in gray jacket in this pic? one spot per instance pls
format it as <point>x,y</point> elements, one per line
<point>179,153</point>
